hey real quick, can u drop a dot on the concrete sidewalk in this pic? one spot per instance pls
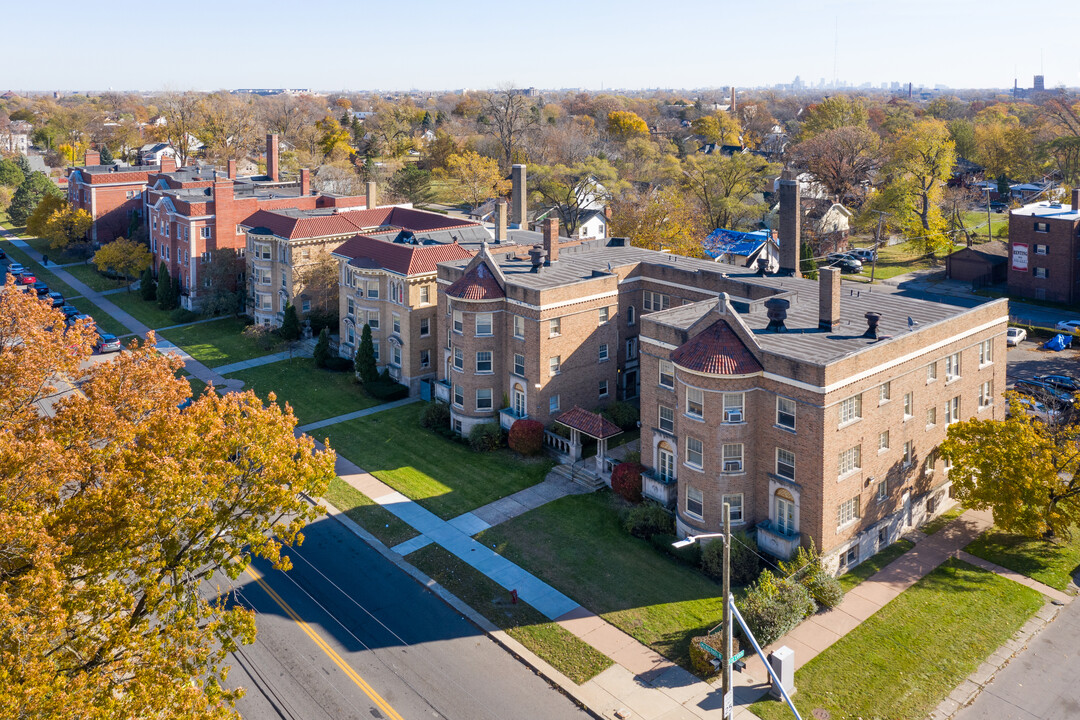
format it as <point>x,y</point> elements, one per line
<point>305,348</point>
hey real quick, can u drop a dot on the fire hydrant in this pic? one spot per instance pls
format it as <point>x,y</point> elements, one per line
<point>513,597</point>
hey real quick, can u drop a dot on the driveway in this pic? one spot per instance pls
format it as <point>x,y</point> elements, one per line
<point>1027,360</point>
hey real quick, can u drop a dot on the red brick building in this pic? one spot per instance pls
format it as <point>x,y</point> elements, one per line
<point>112,194</point>
<point>1044,251</point>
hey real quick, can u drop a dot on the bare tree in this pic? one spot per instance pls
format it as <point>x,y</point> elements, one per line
<point>229,128</point>
<point>183,114</point>
<point>508,117</point>
<point>844,160</point>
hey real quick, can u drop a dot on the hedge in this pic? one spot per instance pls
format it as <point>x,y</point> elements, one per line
<point>626,481</point>
<point>526,437</point>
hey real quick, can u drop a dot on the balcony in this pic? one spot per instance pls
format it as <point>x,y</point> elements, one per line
<point>508,415</point>
<point>660,488</point>
<point>442,390</point>
<point>776,541</point>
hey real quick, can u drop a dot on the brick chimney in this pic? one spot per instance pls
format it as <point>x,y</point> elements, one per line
<point>1076,200</point>
<point>828,298</point>
<point>500,220</point>
<point>231,169</point>
<point>733,107</point>
<point>93,157</point>
<point>519,201</point>
<point>789,224</point>
<point>168,164</point>
<point>372,195</point>
<point>305,182</point>
<point>272,156</point>
<point>551,240</point>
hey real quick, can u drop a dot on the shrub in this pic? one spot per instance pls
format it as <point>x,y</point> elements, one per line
<point>824,588</point>
<point>322,348</point>
<point>435,415</point>
<point>626,481</point>
<point>773,607</point>
<point>320,319</point>
<point>689,555</point>
<point>147,286</point>
<point>263,337</point>
<point>701,660</point>
<point>336,363</point>
<point>485,437</point>
<point>623,414</point>
<point>806,567</point>
<point>388,390</point>
<point>290,324</point>
<point>183,315</point>
<point>526,436</point>
<point>745,563</point>
<point>646,520</point>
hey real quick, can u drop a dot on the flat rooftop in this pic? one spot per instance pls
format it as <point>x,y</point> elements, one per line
<point>1048,210</point>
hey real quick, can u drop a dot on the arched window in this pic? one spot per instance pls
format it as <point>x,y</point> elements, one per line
<point>784,505</point>
<point>665,462</point>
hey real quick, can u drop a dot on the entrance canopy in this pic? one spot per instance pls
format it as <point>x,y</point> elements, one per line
<point>592,424</point>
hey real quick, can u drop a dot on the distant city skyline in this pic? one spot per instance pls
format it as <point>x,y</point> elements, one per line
<point>426,45</point>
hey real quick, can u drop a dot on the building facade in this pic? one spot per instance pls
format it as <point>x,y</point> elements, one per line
<point>112,194</point>
<point>1044,251</point>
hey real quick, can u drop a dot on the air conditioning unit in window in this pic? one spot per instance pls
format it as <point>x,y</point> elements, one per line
<point>733,466</point>
<point>733,416</point>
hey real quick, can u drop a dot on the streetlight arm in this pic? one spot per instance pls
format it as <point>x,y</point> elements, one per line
<point>691,539</point>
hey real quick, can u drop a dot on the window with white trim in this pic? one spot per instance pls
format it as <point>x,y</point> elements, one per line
<point>1042,227</point>
<point>733,457</point>
<point>931,372</point>
<point>785,463</point>
<point>459,360</point>
<point>667,374</point>
<point>931,417</point>
<point>695,403</point>
<point>425,327</point>
<point>631,314</point>
<point>656,301</point>
<point>459,396</point>
<point>373,289</point>
<point>851,409</point>
<point>952,367</point>
<point>847,512</point>
<point>603,353</point>
<point>909,401</point>
<point>986,394</point>
<point>849,460</point>
<point>351,307</point>
<point>396,322</point>
<point>554,327</point>
<point>952,411</point>
<point>785,413</point>
<point>425,294</point>
<point>666,463</point>
<point>1042,249</point>
<point>351,335</point>
<point>883,491</point>
<point>884,392</point>
<point>735,506</point>
<point>425,358</point>
<point>733,407</point>
<point>849,557</point>
<point>909,453</point>
<point>694,450</point>
<point>666,418</point>
<point>554,363</point>
<point>373,319</point>
<point>695,503</point>
<point>483,399</point>
<point>395,355</point>
<point>519,327</point>
<point>986,352</point>
<point>603,389</point>
<point>883,440</point>
<point>483,324</point>
<point>207,232</point>
<point>519,364</point>
<point>483,362</point>
<point>459,322</point>
<point>602,315</point>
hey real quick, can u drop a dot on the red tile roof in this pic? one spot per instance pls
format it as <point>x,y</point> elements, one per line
<point>716,350</point>
<point>477,284</point>
<point>590,423</point>
<point>311,226</point>
<point>398,257</point>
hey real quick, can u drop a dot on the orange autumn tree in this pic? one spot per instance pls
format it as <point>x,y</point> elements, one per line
<point>116,509</point>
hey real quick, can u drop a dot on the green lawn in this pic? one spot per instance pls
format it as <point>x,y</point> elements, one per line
<point>145,311</point>
<point>444,476</point>
<point>446,191</point>
<point>942,520</point>
<point>104,320</point>
<point>1051,563</point>
<point>45,276</point>
<point>313,393</point>
<point>907,657</point>
<point>896,260</point>
<point>975,220</point>
<point>55,256</point>
<point>571,656</point>
<point>362,510</point>
<point>577,544</point>
<point>197,386</point>
<point>89,275</point>
<point>215,343</point>
<point>871,565</point>
<point>6,222</point>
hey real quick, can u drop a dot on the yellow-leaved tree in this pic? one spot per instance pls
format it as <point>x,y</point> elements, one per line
<point>123,257</point>
<point>117,507</point>
<point>479,176</point>
<point>625,125</point>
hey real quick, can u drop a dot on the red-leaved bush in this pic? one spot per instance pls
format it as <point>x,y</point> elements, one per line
<point>526,437</point>
<point>626,481</point>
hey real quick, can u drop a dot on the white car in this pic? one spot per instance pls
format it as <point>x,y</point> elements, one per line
<point>15,268</point>
<point>863,254</point>
<point>1070,326</point>
<point>1015,336</point>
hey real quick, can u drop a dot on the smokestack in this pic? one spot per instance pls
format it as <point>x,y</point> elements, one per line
<point>551,240</point>
<point>733,108</point>
<point>305,182</point>
<point>519,202</point>
<point>1076,200</point>
<point>93,157</point>
<point>500,220</point>
<point>272,156</point>
<point>372,195</point>
<point>168,164</point>
<point>828,298</point>
<point>231,170</point>
<point>789,224</point>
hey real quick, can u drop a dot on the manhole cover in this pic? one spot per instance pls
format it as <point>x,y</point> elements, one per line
<point>821,714</point>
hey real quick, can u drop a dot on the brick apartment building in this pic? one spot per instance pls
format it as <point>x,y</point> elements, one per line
<point>193,211</point>
<point>112,194</point>
<point>1044,251</point>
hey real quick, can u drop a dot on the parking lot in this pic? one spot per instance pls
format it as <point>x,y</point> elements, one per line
<point>1027,360</point>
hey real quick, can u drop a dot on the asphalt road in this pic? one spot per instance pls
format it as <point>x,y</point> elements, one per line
<point>1039,684</point>
<point>372,643</point>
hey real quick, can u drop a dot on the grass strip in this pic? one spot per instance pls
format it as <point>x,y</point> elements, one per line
<point>871,565</point>
<point>1051,562</point>
<point>366,513</point>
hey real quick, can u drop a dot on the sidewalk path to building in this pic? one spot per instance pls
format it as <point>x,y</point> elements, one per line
<point>305,348</point>
<point>356,414</point>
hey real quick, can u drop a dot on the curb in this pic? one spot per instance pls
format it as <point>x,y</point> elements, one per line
<point>554,678</point>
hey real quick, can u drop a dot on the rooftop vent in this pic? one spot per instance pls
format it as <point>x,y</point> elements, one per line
<point>762,266</point>
<point>536,257</point>
<point>872,320</point>
<point>777,312</point>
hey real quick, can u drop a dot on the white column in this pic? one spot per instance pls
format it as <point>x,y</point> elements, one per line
<point>601,450</point>
<point>575,444</point>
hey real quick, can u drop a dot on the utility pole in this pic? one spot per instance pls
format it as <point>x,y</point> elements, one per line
<point>988,238</point>
<point>728,696</point>
<point>877,242</point>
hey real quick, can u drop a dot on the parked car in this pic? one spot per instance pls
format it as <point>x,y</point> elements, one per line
<point>1044,392</point>
<point>1015,336</point>
<point>998,206</point>
<point>69,310</point>
<point>1065,383</point>
<point>41,289</point>
<point>846,263</point>
<point>72,319</point>
<point>16,268</point>
<point>1069,326</point>
<point>1040,410</point>
<point>863,254</point>
<point>25,278</point>
<point>106,342</point>
<point>55,299</point>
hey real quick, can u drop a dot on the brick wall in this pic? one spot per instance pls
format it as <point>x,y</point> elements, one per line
<point>1061,262</point>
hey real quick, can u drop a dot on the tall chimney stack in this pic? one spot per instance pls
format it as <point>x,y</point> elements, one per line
<point>551,239</point>
<point>168,164</point>
<point>93,157</point>
<point>519,201</point>
<point>733,107</point>
<point>789,224</point>
<point>305,182</point>
<point>1076,200</point>
<point>272,156</point>
<point>828,298</point>
<point>372,195</point>
<point>231,169</point>
<point>500,220</point>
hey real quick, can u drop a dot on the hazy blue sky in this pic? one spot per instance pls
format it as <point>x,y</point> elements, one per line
<point>357,45</point>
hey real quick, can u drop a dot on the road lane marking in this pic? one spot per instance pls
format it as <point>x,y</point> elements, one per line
<point>330,652</point>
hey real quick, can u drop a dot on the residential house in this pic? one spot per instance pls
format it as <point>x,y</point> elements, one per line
<point>983,264</point>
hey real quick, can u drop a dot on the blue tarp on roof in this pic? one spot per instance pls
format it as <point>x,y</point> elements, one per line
<point>1058,342</point>
<point>731,242</point>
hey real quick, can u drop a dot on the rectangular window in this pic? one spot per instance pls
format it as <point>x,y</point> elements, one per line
<point>695,505</point>
<point>167,229</point>
<point>1041,272</point>
<point>373,319</point>
<point>459,322</point>
<point>849,557</point>
<point>733,455</point>
<point>986,394</point>
<point>206,232</point>
<point>884,392</point>
<point>483,324</point>
<point>425,327</point>
<point>603,389</point>
<point>483,399</point>
<point>666,465</point>
<point>483,361</point>
<point>656,301</point>
<point>397,322</point>
<point>459,359</point>
<point>848,512</point>
<point>553,403</point>
<point>986,352</point>
<point>952,411</point>
<point>603,355</point>
<point>733,407</point>
<point>883,440</point>
<point>1042,227</point>
<point>554,327</point>
<point>883,491</point>
<point>395,354</point>
<point>459,396</point>
<point>667,374</point>
<point>931,372</point>
<point>909,453</point>
<point>304,307</point>
<point>283,283</point>
<point>785,463</point>
<point>667,418</point>
<point>373,289</point>
<point>695,403</point>
<point>693,452</point>
<point>519,364</point>
<point>785,413</point>
<point>909,401</point>
<point>519,327</point>
<point>425,294</point>
<point>850,460</point>
<point>931,417</point>
<point>631,348</point>
<point>850,409</point>
<point>554,363</point>
<point>735,506</point>
<point>952,366</point>
<point>351,336</point>
<point>1042,249</point>
<point>425,358</point>
<point>375,345</point>
<point>351,307</point>
<point>603,315</point>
